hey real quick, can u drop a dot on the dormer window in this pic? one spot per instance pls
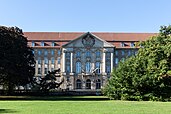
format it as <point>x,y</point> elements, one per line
<point>53,43</point>
<point>122,44</point>
<point>42,43</point>
<point>32,43</point>
<point>132,44</point>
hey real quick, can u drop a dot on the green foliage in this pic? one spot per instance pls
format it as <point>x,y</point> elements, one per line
<point>16,58</point>
<point>49,82</point>
<point>146,76</point>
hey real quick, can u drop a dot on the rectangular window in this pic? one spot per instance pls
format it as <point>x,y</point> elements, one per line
<point>123,52</point>
<point>116,61</point>
<point>98,67</point>
<point>129,52</point>
<point>78,67</point>
<point>68,67</point>
<point>133,52</point>
<point>52,60</point>
<point>59,53</point>
<point>52,52</point>
<point>39,52</point>
<point>52,69</point>
<point>98,54</point>
<point>33,51</point>
<point>59,60</point>
<point>116,53</point>
<point>46,60</point>
<point>39,70</point>
<point>78,54</point>
<point>45,52</point>
<point>46,71</point>
<point>39,60</point>
<point>108,67</point>
<point>88,54</point>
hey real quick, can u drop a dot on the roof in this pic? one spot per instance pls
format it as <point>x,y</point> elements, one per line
<point>108,36</point>
<point>64,37</point>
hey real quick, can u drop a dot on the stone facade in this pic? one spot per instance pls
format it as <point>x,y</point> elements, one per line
<point>86,61</point>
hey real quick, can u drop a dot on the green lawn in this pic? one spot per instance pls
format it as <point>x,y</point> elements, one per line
<point>88,106</point>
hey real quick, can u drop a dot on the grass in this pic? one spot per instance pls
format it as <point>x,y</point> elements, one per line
<point>74,105</point>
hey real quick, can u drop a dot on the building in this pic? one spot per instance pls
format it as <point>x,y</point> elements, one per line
<point>85,59</point>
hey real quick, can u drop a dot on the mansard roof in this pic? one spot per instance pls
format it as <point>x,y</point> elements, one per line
<point>108,36</point>
<point>62,38</point>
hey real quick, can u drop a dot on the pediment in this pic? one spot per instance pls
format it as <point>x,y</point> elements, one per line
<point>88,40</point>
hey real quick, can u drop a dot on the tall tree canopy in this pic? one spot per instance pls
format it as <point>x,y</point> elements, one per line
<point>16,58</point>
<point>146,76</point>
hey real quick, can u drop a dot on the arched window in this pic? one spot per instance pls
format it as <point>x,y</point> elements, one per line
<point>98,67</point>
<point>78,84</point>
<point>78,67</point>
<point>98,84</point>
<point>88,84</point>
<point>88,67</point>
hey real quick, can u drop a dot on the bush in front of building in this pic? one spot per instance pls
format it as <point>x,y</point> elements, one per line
<point>146,76</point>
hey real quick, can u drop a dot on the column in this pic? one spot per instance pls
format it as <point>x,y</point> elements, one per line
<point>111,62</point>
<point>104,62</point>
<point>71,62</point>
<point>63,61</point>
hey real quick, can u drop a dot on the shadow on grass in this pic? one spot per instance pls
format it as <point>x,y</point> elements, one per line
<point>56,98</point>
<point>8,111</point>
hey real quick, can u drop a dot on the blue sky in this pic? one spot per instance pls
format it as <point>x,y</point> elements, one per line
<point>86,15</point>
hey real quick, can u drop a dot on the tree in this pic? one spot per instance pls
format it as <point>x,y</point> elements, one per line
<point>16,58</point>
<point>49,81</point>
<point>146,76</point>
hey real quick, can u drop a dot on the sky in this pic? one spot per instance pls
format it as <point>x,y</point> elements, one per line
<point>86,15</point>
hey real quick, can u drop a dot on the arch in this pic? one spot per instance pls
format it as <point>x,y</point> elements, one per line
<point>88,84</point>
<point>98,84</point>
<point>78,84</point>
